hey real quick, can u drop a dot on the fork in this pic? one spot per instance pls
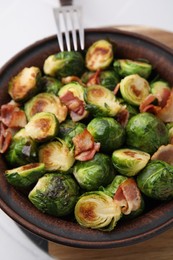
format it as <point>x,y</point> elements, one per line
<point>68,21</point>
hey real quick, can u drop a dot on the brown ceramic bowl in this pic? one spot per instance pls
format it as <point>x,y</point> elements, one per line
<point>155,220</point>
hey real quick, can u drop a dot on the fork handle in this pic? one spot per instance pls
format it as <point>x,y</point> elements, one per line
<point>65,2</point>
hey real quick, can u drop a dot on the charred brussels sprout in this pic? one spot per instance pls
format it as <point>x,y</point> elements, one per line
<point>22,150</point>
<point>25,84</point>
<point>93,173</point>
<point>24,176</point>
<point>129,161</point>
<point>50,85</point>
<point>134,89</point>
<point>99,55</point>
<point>146,132</point>
<point>108,132</point>
<point>56,156</point>
<point>45,102</point>
<point>97,210</point>
<point>42,127</point>
<point>156,180</point>
<point>55,194</point>
<point>100,101</point>
<point>125,67</point>
<point>63,64</point>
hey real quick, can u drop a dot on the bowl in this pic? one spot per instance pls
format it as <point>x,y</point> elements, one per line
<point>155,220</point>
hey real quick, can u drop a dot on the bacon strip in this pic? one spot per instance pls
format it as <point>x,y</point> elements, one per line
<point>5,138</point>
<point>164,153</point>
<point>85,147</point>
<point>128,196</point>
<point>166,113</point>
<point>94,79</point>
<point>12,116</point>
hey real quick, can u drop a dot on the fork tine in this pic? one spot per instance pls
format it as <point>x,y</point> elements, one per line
<point>69,19</point>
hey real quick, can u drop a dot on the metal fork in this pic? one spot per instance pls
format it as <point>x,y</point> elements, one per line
<point>68,21</point>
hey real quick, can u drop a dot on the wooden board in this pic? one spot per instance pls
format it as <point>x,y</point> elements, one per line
<point>160,247</point>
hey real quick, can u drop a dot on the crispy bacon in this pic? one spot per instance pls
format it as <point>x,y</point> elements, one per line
<point>166,113</point>
<point>164,153</point>
<point>85,147</point>
<point>5,138</point>
<point>12,116</point>
<point>123,116</point>
<point>116,89</point>
<point>128,196</point>
<point>94,79</point>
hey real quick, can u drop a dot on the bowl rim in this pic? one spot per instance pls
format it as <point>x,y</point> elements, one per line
<point>138,237</point>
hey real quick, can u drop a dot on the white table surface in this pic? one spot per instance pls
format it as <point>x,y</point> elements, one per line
<point>22,22</point>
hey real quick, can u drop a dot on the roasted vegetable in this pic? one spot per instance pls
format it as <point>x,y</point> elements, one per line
<point>108,132</point>
<point>99,55</point>
<point>94,173</point>
<point>22,150</point>
<point>24,176</point>
<point>55,194</point>
<point>42,127</point>
<point>56,155</point>
<point>111,188</point>
<point>156,180</point>
<point>25,84</point>
<point>125,67</point>
<point>45,102</point>
<point>50,85</point>
<point>100,101</point>
<point>129,162</point>
<point>146,132</point>
<point>97,210</point>
<point>63,64</point>
<point>134,89</point>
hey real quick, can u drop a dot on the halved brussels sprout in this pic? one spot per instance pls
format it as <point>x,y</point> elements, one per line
<point>55,194</point>
<point>63,64</point>
<point>129,162</point>
<point>45,102</point>
<point>24,176</point>
<point>75,88</point>
<point>99,55</point>
<point>108,132</point>
<point>169,126</point>
<point>146,132</point>
<point>50,85</point>
<point>42,127</point>
<point>134,89</point>
<point>100,101</point>
<point>25,84</point>
<point>97,210</point>
<point>56,156</point>
<point>93,173</point>
<point>125,67</point>
<point>156,180</point>
<point>22,150</point>
<point>158,86</point>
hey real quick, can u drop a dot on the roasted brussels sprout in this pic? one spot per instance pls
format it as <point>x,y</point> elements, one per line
<point>156,180</point>
<point>42,127</point>
<point>100,101</point>
<point>158,86</point>
<point>25,84</point>
<point>146,132</point>
<point>45,102</point>
<point>56,155</point>
<point>24,176</point>
<point>129,162</point>
<point>169,126</point>
<point>134,89</point>
<point>94,173</point>
<point>22,150</point>
<point>63,64</point>
<point>108,132</point>
<point>55,194</point>
<point>111,188</point>
<point>50,85</point>
<point>97,210</point>
<point>75,88</point>
<point>99,55</point>
<point>125,67</point>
